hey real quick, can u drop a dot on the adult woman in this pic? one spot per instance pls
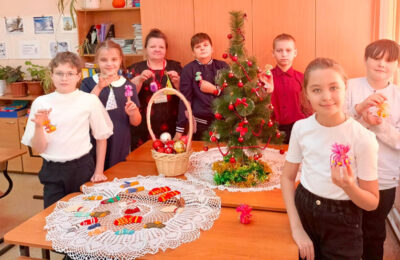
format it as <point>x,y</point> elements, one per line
<point>150,75</point>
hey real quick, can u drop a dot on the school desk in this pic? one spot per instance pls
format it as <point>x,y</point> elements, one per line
<point>268,236</point>
<point>7,154</point>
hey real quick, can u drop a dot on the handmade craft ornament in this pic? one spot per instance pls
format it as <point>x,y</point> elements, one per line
<point>383,110</point>
<point>93,198</point>
<point>168,195</point>
<point>155,224</point>
<point>132,211</point>
<point>159,190</point>
<point>128,219</point>
<point>100,214</point>
<point>73,208</point>
<point>111,200</point>
<point>128,92</point>
<point>339,155</point>
<point>241,101</point>
<point>165,137</point>
<point>97,231</point>
<point>129,184</point>
<point>153,86</point>
<point>93,226</point>
<point>245,214</point>
<point>89,221</point>
<point>82,214</point>
<point>137,189</point>
<point>48,127</point>
<point>198,77</point>
<point>268,72</point>
<point>125,231</point>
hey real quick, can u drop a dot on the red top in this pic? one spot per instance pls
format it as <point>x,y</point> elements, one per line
<point>286,97</point>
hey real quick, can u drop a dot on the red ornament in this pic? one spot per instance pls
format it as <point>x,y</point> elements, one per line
<point>278,134</point>
<point>271,107</point>
<point>184,139</point>
<point>281,151</point>
<point>232,160</point>
<point>259,155</point>
<point>205,148</point>
<point>224,55</point>
<point>234,58</point>
<point>231,107</point>
<point>230,75</point>
<point>249,63</point>
<point>213,139</point>
<point>170,143</point>
<point>218,116</point>
<point>240,84</point>
<point>210,133</point>
<point>157,144</point>
<point>161,150</point>
<point>240,139</point>
<point>229,36</point>
<point>262,122</point>
<point>224,85</point>
<point>215,92</point>
<point>270,123</point>
<point>260,84</point>
<point>169,150</point>
<point>256,157</point>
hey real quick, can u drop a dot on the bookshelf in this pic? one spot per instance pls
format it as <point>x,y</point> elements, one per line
<point>122,18</point>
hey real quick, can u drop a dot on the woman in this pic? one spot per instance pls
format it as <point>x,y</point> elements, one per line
<point>149,76</point>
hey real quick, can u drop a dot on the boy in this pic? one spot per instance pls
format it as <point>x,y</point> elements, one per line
<point>200,97</point>
<point>375,102</point>
<point>65,148</point>
<point>286,98</point>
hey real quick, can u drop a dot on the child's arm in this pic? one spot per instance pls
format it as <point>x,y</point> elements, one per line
<point>303,241</point>
<point>365,196</point>
<point>373,100</point>
<point>385,132</point>
<point>135,118</point>
<point>101,148</point>
<point>207,87</point>
<point>39,142</point>
<point>104,81</point>
<point>142,77</point>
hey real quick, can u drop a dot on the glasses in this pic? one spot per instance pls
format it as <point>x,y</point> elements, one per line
<point>68,75</point>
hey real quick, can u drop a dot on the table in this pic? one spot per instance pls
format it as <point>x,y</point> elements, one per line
<point>268,236</point>
<point>7,154</point>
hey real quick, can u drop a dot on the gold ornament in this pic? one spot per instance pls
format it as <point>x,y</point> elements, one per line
<point>179,146</point>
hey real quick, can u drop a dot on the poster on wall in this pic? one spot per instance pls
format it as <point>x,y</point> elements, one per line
<point>43,25</point>
<point>29,49</point>
<point>67,25</point>
<point>3,50</point>
<point>14,25</point>
<point>56,47</point>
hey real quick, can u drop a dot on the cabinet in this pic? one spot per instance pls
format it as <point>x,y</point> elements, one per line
<point>122,18</point>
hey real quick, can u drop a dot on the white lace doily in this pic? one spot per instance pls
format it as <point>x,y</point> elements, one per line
<point>202,207</point>
<point>201,162</point>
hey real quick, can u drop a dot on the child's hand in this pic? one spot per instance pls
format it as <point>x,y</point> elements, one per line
<point>177,136</point>
<point>370,118</point>
<point>41,116</point>
<point>268,81</point>
<point>373,100</point>
<point>98,177</point>
<point>207,87</point>
<point>304,243</point>
<point>145,75</point>
<point>175,78</point>
<point>105,80</point>
<point>130,108</point>
<point>342,176</point>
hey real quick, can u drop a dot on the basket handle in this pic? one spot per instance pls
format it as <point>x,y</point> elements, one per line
<point>188,107</point>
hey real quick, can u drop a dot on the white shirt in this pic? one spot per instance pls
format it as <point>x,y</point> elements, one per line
<point>387,133</point>
<point>73,114</point>
<point>311,144</point>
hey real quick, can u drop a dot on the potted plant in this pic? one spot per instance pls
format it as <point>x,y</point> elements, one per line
<point>14,78</point>
<point>40,79</point>
<point>2,80</point>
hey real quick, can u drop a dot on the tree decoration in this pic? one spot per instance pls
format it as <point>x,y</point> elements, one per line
<point>245,214</point>
<point>224,55</point>
<point>244,105</point>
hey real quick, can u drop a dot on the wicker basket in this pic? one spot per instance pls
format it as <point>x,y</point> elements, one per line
<point>171,164</point>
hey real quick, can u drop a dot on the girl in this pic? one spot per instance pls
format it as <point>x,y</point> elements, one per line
<point>324,211</point>
<point>364,97</point>
<point>150,75</point>
<point>58,128</point>
<point>110,88</point>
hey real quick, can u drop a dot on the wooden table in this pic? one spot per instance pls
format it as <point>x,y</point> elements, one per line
<point>7,154</point>
<point>268,236</point>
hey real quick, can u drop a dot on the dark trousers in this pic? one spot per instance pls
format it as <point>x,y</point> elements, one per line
<point>373,225</point>
<point>201,129</point>
<point>60,179</point>
<point>287,129</point>
<point>334,226</point>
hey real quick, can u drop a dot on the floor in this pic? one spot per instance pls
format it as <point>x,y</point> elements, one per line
<point>19,206</point>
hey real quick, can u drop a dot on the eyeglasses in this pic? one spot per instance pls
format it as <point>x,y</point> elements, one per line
<point>68,75</point>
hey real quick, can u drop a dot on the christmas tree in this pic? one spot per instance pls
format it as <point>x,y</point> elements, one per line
<point>243,114</point>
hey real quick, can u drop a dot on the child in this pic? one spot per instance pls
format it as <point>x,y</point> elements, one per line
<point>286,97</point>
<point>365,96</point>
<point>110,88</point>
<point>324,211</point>
<point>200,97</point>
<point>67,163</point>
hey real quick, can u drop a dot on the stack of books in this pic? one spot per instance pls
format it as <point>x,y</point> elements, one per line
<point>126,45</point>
<point>138,40</point>
<point>136,3</point>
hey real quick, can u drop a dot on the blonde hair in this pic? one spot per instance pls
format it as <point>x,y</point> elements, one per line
<point>109,44</point>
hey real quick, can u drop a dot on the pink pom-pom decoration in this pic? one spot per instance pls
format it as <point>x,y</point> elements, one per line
<point>245,214</point>
<point>339,155</point>
<point>128,91</point>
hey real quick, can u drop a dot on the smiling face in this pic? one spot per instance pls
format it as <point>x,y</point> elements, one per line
<point>65,78</point>
<point>109,61</point>
<point>381,69</point>
<point>326,92</point>
<point>156,49</point>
